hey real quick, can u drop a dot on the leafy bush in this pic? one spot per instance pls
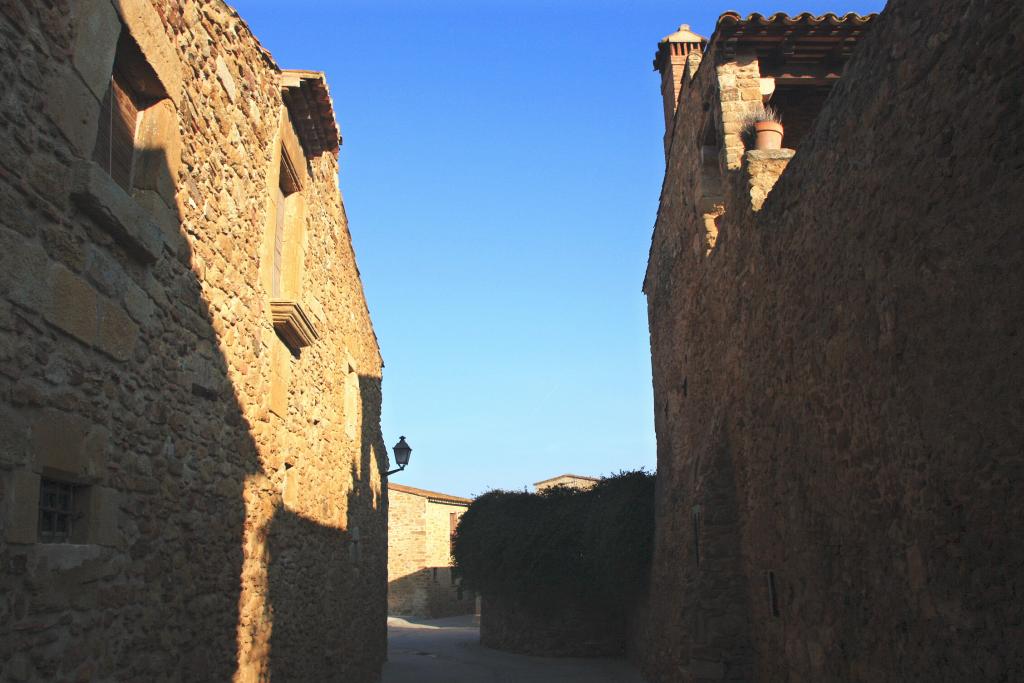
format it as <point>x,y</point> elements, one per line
<point>561,545</point>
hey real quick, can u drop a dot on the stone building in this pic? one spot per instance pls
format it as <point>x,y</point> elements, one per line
<point>573,481</point>
<point>190,450</point>
<point>420,528</point>
<point>836,345</point>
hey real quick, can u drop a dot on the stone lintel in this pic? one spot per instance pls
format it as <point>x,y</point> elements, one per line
<point>146,27</point>
<point>115,211</point>
<point>292,323</point>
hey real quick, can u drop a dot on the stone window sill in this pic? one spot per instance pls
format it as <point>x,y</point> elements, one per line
<point>96,193</point>
<point>292,323</point>
<point>784,154</point>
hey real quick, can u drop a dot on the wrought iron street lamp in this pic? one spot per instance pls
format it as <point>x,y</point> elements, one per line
<point>402,452</point>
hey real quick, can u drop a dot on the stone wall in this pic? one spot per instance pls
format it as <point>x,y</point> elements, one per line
<point>420,578</point>
<point>407,554</point>
<point>229,518</point>
<point>837,377</point>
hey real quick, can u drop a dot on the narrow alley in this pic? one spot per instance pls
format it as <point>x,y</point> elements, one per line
<point>702,356</point>
<point>449,651</point>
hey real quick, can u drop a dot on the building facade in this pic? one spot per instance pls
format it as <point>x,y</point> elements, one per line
<point>190,450</point>
<point>573,481</point>
<point>835,339</point>
<point>420,579</point>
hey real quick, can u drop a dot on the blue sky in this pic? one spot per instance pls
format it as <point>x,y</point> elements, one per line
<point>501,168</point>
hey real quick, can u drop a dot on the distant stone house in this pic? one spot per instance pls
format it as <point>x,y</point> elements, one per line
<point>574,481</point>
<point>190,446</point>
<point>420,528</point>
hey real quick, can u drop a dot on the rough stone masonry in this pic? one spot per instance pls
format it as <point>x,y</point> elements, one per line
<point>190,450</point>
<point>421,581</point>
<point>837,339</point>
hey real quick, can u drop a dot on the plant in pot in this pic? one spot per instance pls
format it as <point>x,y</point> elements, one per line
<point>762,128</point>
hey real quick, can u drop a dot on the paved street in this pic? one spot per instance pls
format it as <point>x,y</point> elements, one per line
<point>449,651</point>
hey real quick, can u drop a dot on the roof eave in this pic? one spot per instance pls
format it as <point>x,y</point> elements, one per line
<point>311,108</point>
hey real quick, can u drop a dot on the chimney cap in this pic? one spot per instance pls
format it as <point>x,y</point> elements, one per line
<point>683,35</point>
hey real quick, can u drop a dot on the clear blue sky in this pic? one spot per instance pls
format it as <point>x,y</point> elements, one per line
<point>501,168</point>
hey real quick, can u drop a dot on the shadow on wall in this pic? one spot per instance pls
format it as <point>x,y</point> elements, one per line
<point>431,592</point>
<point>316,569</point>
<point>318,576</point>
<point>140,350</point>
<point>710,601</point>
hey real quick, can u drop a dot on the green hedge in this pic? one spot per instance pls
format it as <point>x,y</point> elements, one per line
<point>561,544</point>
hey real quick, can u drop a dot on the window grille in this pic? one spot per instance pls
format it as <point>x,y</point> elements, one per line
<point>696,517</point>
<point>56,511</point>
<point>773,601</point>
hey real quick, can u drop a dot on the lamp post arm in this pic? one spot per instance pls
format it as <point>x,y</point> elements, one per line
<point>397,469</point>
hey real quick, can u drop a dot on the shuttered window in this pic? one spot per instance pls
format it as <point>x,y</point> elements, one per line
<point>115,141</point>
<point>133,87</point>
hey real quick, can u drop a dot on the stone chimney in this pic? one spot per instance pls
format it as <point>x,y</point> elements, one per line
<point>674,52</point>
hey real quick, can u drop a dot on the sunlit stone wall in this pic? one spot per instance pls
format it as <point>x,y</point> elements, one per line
<point>420,579</point>
<point>224,490</point>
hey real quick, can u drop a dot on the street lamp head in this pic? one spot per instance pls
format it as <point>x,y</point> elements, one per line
<point>402,452</point>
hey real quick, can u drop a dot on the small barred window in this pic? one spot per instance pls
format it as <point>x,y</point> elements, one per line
<point>56,511</point>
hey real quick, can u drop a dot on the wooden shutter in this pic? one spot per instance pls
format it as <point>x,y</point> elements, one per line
<point>115,142</point>
<point>133,87</point>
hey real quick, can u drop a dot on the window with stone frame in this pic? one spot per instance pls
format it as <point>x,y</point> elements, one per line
<point>134,87</point>
<point>284,250</point>
<point>287,185</point>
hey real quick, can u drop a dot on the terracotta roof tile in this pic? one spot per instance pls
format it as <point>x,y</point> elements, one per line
<point>803,19</point>
<point>309,104</point>
<point>431,495</point>
<point>811,38</point>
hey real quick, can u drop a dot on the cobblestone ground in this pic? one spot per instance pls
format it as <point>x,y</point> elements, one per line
<point>449,651</point>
